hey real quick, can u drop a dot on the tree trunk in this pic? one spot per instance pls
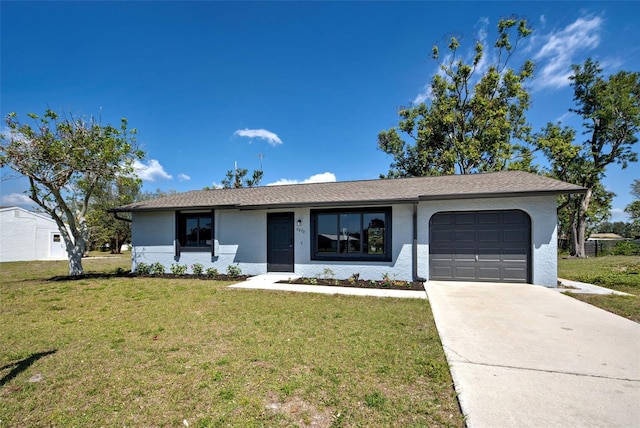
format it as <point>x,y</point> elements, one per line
<point>580,228</point>
<point>75,253</point>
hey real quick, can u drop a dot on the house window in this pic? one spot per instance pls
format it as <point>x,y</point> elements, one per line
<point>351,234</point>
<point>195,231</point>
<point>56,238</point>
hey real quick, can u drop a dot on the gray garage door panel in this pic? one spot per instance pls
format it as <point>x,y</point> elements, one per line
<point>480,246</point>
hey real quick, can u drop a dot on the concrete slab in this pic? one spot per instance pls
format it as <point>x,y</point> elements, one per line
<point>270,282</point>
<point>525,355</point>
<point>584,288</point>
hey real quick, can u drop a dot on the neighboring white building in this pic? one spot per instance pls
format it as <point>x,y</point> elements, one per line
<point>26,235</point>
<point>481,227</point>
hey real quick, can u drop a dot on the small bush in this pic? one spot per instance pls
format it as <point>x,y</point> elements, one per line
<point>212,272</point>
<point>233,271</point>
<point>178,269</point>
<point>326,274</point>
<point>388,280</point>
<point>157,268</point>
<point>120,271</point>
<point>197,268</point>
<point>143,269</point>
<point>626,248</point>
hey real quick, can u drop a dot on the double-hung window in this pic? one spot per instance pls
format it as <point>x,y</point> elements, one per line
<point>194,231</point>
<point>351,234</point>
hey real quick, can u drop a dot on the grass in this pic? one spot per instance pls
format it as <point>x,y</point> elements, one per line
<point>621,273</point>
<point>157,352</point>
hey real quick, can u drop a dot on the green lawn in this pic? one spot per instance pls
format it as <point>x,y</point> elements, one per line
<point>620,273</point>
<point>120,351</point>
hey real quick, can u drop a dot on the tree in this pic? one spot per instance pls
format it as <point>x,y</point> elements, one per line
<point>618,227</point>
<point>633,209</point>
<point>104,229</point>
<point>471,123</point>
<point>610,110</point>
<point>236,178</point>
<point>66,160</point>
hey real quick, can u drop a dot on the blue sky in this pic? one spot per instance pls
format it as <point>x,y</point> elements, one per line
<point>304,88</point>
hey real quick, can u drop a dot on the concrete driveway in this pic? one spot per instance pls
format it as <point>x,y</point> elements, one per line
<point>523,355</point>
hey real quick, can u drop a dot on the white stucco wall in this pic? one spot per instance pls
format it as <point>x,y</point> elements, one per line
<point>541,210</point>
<point>26,236</point>
<point>241,239</point>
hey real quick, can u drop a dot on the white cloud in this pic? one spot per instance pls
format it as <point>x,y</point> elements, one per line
<point>560,48</point>
<point>271,138</point>
<point>424,95</point>
<point>618,214</point>
<point>152,171</point>
<point>325,177</point>
<point>543,21</point>
<point>16,199</point>
<point>183,177</point>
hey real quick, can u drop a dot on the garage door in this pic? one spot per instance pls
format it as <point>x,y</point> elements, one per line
<point>480,246</point>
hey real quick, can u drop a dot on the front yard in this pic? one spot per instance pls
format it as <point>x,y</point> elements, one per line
<point>621,273</point>
<point>155,352</point>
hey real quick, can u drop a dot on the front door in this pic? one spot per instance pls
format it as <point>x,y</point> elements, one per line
<point>280,242</point>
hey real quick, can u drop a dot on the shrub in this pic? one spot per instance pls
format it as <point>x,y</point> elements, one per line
<point>143,269</point>
<point>197,268</point>
<point>157,268</point>
<point>388,280</point>
<point>178,269</point>
<point>626,248</point>
<point>326,274</point>
<point>212,272</point>
<point>119,271</point>
<point>234,271</point>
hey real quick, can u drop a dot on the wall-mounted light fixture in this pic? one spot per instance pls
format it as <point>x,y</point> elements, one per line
<point>299,222</point>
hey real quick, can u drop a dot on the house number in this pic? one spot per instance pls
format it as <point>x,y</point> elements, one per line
<point>299,229</point>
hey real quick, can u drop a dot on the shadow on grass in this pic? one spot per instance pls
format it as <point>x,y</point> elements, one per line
<point>22,365</point>
<point>93,276</point>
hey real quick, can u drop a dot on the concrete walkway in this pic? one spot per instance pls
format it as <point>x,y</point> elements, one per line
<point>584,288</point>
<point>528,356</point>
<point>270,281</point>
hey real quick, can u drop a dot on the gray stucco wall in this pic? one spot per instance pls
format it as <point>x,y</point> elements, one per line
<point>241,239</point>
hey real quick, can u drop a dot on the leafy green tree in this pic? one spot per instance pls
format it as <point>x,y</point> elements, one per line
<point>633,209</point>
<point>621,228</point>
<point>66,160</point>
<point>610,110</point>
<point>237,178</point>
<point>474,120</point>
<point>104,229</point>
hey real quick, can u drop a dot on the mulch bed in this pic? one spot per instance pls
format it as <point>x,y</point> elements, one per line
<point>220,277</point>
<point>384,285</point>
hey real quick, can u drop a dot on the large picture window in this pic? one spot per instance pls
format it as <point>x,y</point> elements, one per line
<point>195,231</point>
<point>351,234</point>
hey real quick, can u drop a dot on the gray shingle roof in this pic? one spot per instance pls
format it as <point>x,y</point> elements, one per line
<point>366,192</point>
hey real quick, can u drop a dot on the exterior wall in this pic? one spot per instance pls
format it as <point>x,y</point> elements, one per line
<point>399,266</point>
<point>541,210</point>
<point>27,236</point>
<point>241,239</point>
